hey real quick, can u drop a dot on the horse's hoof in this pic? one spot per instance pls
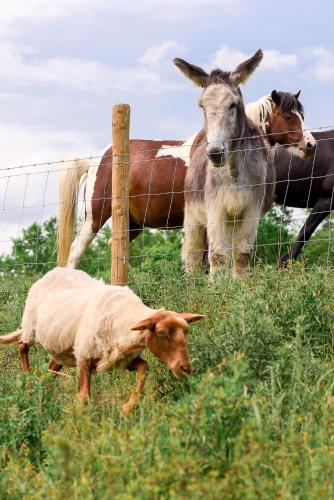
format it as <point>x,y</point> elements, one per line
<point>285,260</point>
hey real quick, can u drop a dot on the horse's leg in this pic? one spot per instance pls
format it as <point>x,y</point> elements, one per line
<point>244,235</point>
<point>79,245</point>
<point>135,230</point>
<point>319,212</point>
<point>194,239</point>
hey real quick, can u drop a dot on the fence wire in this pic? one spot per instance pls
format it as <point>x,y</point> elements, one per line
<point>29,205</point>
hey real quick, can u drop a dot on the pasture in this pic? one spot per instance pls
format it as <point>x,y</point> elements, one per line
<point>255,420</point>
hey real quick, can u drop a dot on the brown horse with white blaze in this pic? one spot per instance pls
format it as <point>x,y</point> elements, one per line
<point>157,174</point>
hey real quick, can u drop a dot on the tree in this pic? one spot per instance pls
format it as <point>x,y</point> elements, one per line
<point>35,251</point>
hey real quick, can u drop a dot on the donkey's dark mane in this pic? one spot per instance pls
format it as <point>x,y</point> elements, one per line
<point>218,76</point>
<point>289,102</point>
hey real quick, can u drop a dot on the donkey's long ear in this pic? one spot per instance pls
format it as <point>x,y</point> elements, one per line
<point>246,68</point>
<point>191,318</point>
<point>196,74</point>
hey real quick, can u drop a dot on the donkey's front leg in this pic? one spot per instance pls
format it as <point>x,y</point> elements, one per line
<point>194,239</point>
<point>141,367</point>
<point>219,242</point>
<point>243,242</point>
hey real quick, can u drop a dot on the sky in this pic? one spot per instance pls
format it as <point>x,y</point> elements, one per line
<point>64,63</point>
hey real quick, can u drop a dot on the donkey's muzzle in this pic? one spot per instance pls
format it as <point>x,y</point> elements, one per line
<point>216,156</point>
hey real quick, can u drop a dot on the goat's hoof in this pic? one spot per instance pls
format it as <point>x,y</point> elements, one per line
<point>128,407</point>
<point>84,399</point>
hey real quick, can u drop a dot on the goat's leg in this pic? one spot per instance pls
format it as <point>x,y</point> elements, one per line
<point>141,367</point>
<point>24,351</point>
<point>319,212</point>
<point>85,371</point>
<point>54,366</point>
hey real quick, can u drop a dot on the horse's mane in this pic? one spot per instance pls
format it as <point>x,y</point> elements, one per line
<point>259,111</point>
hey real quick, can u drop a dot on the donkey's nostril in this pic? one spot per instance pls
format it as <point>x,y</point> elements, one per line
<point>215,155</point>
<point>186,368</point>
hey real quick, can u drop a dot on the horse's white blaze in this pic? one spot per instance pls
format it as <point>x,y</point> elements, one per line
<point>308,138</point>
<point>181,152</point>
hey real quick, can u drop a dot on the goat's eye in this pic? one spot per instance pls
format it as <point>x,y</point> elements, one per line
<point>288,118</point>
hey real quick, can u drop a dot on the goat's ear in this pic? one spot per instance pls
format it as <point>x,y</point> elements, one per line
<point>195,74</point>
<point>297,94</point>
<point>191,318</point>
<point>276,97</point>
<point>145,324</point>
<point>242,72</point>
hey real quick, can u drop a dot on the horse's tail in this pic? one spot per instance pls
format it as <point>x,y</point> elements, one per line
<point>11,337</point>
<point>69,181</point>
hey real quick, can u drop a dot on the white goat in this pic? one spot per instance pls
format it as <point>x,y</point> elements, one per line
<point>83,322</point>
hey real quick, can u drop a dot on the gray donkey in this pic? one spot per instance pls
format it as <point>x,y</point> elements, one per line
<point>230,181</point>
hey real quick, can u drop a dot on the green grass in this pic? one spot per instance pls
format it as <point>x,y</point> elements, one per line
<point>255,420</point>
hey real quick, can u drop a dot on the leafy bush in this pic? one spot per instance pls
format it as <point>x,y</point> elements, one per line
<point>255,419</point>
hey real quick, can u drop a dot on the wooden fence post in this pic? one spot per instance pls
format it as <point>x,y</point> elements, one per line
<point>120,194</point>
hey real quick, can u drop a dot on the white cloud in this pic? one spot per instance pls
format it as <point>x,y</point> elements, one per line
<point>40,10</point>
<point>227,58</point>
<point>35,11</point>
<point>273,60</point>
<point>323,63</point>
<point>154,56</point>
<point>25,67</point>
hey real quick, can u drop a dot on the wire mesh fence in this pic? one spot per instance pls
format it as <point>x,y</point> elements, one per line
<point>29,205</point>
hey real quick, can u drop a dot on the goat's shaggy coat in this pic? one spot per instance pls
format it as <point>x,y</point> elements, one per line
<point>74,316</point>
<point>83,322</point>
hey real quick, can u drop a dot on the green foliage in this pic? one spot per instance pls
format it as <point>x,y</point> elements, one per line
<point>33,252</point>
<point>273,235</point>
<point>320,249</point>
<point>255,419</point>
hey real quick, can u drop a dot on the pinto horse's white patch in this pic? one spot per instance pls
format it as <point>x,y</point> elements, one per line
<point>181,152</point>
<point>308,139</point>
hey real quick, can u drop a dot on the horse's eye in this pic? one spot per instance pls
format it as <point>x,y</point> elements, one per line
<point>162,333</point>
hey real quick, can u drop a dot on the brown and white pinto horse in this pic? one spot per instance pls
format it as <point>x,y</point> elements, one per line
<point>157,173</point>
